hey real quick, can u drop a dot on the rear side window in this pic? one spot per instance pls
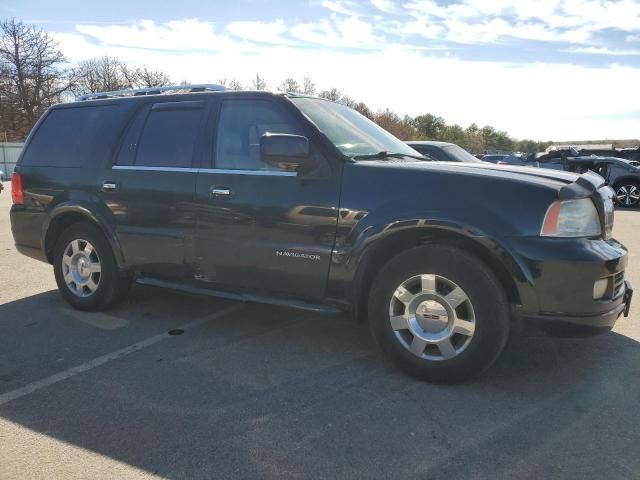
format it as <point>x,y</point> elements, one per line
<point>169,135</point>
<point>71,137</point>
<point>242,123</point>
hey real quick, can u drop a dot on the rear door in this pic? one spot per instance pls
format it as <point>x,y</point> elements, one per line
<point>261,228</point>
<point>150,190</point>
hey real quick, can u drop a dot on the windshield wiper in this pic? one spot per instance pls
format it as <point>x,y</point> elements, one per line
<point>383,155</point>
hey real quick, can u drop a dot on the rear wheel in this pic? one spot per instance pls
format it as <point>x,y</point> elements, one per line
<point>628,194</point>
<point>439,313</point>
<point>85,269</point>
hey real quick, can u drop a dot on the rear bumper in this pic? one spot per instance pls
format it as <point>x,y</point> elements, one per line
<point>27,228</point>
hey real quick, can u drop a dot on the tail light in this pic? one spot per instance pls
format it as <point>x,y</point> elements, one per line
<point>17,195</point>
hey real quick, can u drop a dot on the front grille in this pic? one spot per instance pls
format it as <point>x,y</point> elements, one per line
<point>618,284</point>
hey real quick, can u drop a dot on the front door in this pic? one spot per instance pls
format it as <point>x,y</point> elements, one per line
<point>262,229</point>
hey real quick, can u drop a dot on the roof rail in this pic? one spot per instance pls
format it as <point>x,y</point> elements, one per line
<point>134,92</point>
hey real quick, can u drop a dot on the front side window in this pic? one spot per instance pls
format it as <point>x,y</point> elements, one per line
<point>242,123</point>
<point>169,136</point>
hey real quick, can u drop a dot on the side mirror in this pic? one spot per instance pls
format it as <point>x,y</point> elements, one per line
<point>286,152</point>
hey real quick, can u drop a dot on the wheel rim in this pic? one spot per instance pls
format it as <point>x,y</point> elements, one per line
<point>432,317</point>
<point>628,195</point>
<point>81,268</point>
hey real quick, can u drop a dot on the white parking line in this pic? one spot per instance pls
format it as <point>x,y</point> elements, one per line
<point>96,362</point>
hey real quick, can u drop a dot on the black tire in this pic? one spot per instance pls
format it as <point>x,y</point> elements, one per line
<point>112,284</point>
<point>487,297</point>
<point>629,185</point>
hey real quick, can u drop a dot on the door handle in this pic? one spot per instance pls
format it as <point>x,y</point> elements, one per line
<point>219,192</point>
<point>109,186</point>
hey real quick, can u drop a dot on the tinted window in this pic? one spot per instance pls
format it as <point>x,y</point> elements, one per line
<point>435,153</point>
<point>71,137</point>
<point>169,135</point>
<point>242,123</point>
<point>460,154</point>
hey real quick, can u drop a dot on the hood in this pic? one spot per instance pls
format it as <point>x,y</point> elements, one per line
<point>552,178</point>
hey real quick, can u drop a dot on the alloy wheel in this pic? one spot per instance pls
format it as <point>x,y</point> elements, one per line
<point>432,317</point>
<point>628,195</point>
<point>81,267</point>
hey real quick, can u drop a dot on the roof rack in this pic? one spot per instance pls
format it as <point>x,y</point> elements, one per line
<point>134,92</point>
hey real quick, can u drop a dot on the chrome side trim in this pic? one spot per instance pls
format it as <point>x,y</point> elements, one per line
<point>154,169</point>
<point>232,171</point>
<point>269,173</point>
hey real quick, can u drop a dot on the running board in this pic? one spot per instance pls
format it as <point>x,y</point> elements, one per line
<point>243,297</point>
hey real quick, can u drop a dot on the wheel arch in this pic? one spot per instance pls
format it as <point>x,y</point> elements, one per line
<point>66,215</point>
<point>380,252</point>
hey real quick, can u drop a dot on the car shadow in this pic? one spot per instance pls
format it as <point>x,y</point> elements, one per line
<point>268,391</point>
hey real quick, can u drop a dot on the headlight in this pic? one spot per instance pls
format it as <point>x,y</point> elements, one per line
<point>571,218</point>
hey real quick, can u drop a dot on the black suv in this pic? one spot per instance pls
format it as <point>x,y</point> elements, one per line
<point>300,201</point>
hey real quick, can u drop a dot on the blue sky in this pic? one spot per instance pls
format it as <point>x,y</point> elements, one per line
<point>547,69</point>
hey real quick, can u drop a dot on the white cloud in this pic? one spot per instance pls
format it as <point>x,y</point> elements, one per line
<point>347,32</point>
<point>386,6</point>
<point>488,21</point>
<point>604,51</point>
<point>344,7</point>
<point>174,35</point>
<point>263,32</point>
<point>542,101</point>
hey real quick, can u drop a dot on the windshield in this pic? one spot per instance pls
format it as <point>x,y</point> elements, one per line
<point>460,154</point>
<point>353,133</point>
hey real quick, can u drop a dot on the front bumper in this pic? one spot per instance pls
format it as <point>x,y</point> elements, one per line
<point>594,322</point>
<point>560,278</point>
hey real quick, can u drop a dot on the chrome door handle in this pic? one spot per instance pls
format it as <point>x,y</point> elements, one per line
<point>109,187</point>
<point>219,192</point>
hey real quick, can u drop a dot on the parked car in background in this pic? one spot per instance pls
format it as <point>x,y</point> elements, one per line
<point>443,151</point>
<point>504,159</point>
<point>300,201</point>
<point>631,154</point>
<point>495,157</point>
<point>621,174</point>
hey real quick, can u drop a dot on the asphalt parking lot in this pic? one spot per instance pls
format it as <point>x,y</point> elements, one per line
<point>258,391</point>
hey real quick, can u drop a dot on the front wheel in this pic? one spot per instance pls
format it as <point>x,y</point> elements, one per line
<point>628,194</point>
<point>439,313</point>
<point>85,269</point>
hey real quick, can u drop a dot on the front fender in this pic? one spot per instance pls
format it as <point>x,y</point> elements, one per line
<point>361,252</point>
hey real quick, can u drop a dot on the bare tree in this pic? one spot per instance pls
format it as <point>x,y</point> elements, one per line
<point>290,85</point>
<point>146,77</point>
<point>106,74</point>
<point>235,85</point>
<point>259,83</point>
<point>31,74</point>
<point>334,94</point>
<point>102,74</point>
<point>308,87</point>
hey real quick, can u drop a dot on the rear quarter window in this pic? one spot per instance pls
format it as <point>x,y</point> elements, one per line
<point>73,136</point>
